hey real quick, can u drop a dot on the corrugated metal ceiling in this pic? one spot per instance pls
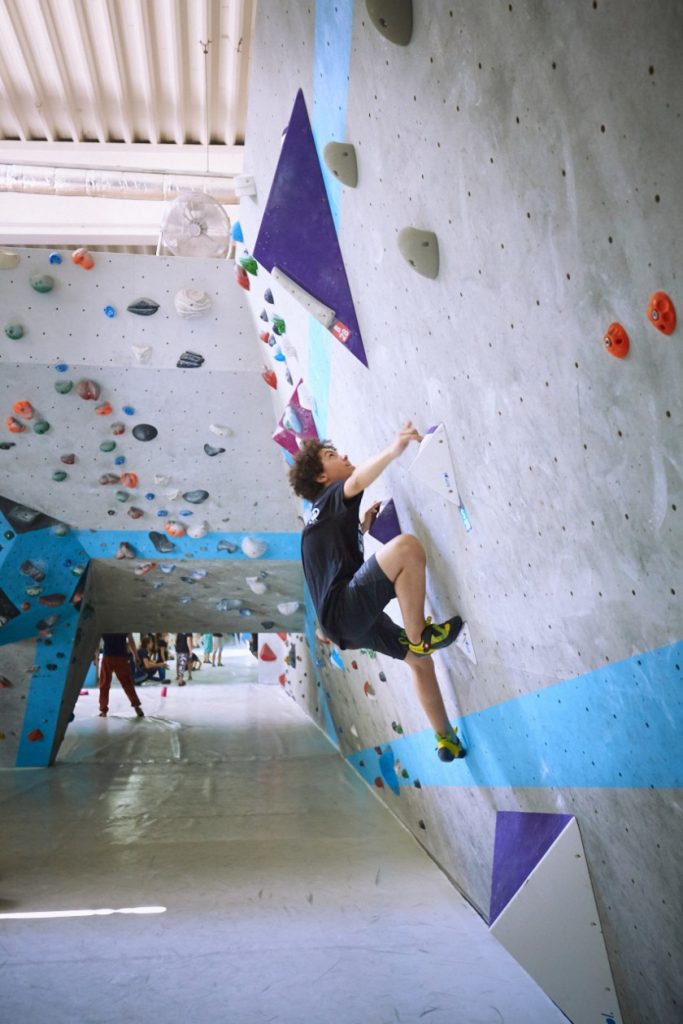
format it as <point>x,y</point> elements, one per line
<point>146,71</point>
<point>131,85</point>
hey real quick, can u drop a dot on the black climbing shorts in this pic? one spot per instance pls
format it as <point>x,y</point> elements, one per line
<point>359,616</point>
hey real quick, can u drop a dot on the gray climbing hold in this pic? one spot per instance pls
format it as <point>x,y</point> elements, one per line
<point>109,478</point>
<point>393,19</point>
<point>161,542</point>
<point>226,545</point>
<point>210,450</point>
<point>195,497</point>
<point>143,307</point>
<point>190,361</point>
<point>126,550</point>
<point>135,513</point>
<point>68,459</point>
<point>340,158</point>
<point>144,432</point>
<point>421,250</point>
<point>6,445</point>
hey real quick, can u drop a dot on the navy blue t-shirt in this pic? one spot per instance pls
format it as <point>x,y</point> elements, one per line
<point>331,549</point>
<point>115,645</point>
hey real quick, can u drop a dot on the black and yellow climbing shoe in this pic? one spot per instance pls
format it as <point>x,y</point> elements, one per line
<point>435,635</point>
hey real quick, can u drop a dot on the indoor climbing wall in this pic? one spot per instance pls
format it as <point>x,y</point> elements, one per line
<point>510,247</point>
<point>136,450</point>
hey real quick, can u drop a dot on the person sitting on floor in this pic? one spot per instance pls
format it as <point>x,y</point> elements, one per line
<point>147,657</point>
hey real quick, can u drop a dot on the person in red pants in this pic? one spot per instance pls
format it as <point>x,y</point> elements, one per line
<point>115,661</point>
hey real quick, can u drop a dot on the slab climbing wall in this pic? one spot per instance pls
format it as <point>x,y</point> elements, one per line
<point>538,144</point>
<point>136,450</point>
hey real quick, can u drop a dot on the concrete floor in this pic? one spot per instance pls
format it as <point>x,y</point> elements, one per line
<point>284,890</point>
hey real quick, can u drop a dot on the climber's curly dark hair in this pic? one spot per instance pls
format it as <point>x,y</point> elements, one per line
<point>307,467</point>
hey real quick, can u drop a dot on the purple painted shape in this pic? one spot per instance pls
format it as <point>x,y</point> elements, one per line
<point>285,436</point>
<point>522,839</point>
<point>297,232</point>
<point>386,526</point>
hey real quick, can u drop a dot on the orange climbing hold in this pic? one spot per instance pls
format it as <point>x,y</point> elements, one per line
<point>129,479</point>
<point>105,409</point>
<point>23,409</point>
<point>267,653</point>
<point>35,735</point>
<point>270,378</point>
<point>82,258</point>
<point>14,425</point>
<point>661,313</point>
<point>616,341</point>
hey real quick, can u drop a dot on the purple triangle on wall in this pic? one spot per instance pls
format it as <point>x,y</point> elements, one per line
<point>522,839</point>
<point>386,526</point>
<point>297,232</point>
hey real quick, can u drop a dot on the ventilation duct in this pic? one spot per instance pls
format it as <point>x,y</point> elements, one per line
<point>111,184</point>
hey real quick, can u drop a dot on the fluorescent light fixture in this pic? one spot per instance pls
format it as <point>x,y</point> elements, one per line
<point>34,914</point>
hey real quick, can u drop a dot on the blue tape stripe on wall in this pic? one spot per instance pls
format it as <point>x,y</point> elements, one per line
<point>618,726</point>
<point>104,544</point>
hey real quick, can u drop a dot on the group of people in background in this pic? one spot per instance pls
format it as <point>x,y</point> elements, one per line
<point>149,661</point>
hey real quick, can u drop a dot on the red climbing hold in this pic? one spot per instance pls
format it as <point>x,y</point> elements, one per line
<point>269,377</point>
<point>661,313</point>
<point>265,336</point>
<point>23,409</point>
<point>379,783</point>
<point>14,425</point>
<point>354,664</point>
<point>267,653</point>
<point>282,679</point>
<point>52,600</point>
<point>88,389</point>
<point>616,341</point>
<point>105,409</point>
<point>35,735</point>
<point>242,277</point>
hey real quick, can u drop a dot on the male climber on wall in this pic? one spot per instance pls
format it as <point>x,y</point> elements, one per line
<point>350,594</point>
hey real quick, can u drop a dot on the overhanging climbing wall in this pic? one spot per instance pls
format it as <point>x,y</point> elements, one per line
<point>538,144</point>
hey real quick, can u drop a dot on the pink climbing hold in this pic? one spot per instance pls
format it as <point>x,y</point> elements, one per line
<point>164,691</point>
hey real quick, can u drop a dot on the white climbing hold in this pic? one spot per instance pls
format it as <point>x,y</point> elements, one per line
<point>464,642</point>
<point>288,607</point>
<point>8,260</point>
<point>173,494</point>
<point>160,479</point>
<point>255,584</point>
<point>253,548</point>
<point>318,310</point>
<point>244,185</point>
<point>306,399</point>
<point>198,530</point>
<point>220,429</point>
<point>191,303</point>
<point>433,465</point>
<point>142,353</point>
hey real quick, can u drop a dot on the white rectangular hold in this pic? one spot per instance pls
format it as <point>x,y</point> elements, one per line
<point>318,310</point>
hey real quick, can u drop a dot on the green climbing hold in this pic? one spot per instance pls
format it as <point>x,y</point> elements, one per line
<point>41,427</point>
<point>122,495</point>
<point>249,264</point>
<point>14,331</point>
<point>59,475</point>
<point>63,387</point>
<point>278,325</point>
<point>42,283</point>
<point>108,446</point>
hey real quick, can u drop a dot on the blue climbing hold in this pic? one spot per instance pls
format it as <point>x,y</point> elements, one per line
<point>61,367</point>
<point>336,659</point>
<point>120,459</point>
<point>129,410</point>
<point>54,257</point>
<point>150,496</point>
<point>109,311</point>
<point>236,232</point>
